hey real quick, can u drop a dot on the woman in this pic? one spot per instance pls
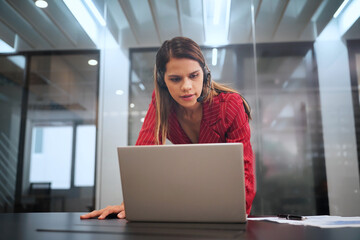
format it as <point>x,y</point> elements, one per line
<point>188,107</point>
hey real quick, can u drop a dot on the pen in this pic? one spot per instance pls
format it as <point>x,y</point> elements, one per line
<point>291,217</point>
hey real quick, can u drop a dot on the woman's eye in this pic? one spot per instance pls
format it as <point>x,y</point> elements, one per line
<point>175,79</point>
<point>194,75</point>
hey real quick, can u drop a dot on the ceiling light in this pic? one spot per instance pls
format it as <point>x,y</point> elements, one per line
<point>41,3</point>
<point>95,12</point>
<point>336,14</point>
<point>216,16</point>
<point>348,16</point>
<point>82,15</point>
<point>18,60</point>
<point>132,105</point>
<point>141,86</point>
<point>217,12</point>
<point>5,48</point>
<point>92,62</point>
<point>214,56</point>
<point>119,92</point>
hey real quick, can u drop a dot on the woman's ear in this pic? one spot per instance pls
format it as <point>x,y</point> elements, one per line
<point>207,75</point>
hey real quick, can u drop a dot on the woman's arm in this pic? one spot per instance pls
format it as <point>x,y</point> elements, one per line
<point>147,132</point>
<point>239,131</point>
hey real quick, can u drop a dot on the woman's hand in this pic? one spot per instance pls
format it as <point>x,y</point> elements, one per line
<point>103,213</point>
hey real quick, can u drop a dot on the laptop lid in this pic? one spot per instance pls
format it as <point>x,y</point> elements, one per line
<point>183,183</point>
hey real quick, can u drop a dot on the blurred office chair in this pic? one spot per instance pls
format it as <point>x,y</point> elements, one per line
<point>40,196</point>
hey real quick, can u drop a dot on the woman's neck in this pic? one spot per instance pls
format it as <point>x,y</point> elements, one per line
<point>190,113</point>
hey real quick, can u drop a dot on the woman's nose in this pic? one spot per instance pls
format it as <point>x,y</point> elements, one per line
<point>187,84</point>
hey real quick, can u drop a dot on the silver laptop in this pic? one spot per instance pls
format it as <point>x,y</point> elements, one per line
<point>183,183</point>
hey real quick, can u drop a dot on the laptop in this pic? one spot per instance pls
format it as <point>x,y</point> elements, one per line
<point>183,183</point>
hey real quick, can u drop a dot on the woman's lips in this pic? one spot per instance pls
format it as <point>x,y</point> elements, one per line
<point>188,97</point>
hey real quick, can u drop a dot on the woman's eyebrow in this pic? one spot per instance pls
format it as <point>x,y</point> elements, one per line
<point>175,75</point>
<point>194,72</point>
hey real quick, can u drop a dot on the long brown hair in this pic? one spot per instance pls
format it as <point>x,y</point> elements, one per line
<point>180,47</point>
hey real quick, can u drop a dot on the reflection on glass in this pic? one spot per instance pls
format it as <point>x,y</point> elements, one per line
<point>290,138</point>
<point>11,85</point>
<point>61,130</point>
<point>140,90</point>
<point>306,119</point>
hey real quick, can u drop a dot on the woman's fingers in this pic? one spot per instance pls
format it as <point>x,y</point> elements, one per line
<point>92,214</point>
<point>109,210</point>
<point>122,211</point>
<point>103,213</point>
<point>121,214</point>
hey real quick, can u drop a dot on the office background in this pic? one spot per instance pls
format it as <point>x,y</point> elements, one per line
<point>76,81</point>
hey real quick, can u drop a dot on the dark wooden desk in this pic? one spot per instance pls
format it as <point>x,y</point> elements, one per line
<point>53,226</point>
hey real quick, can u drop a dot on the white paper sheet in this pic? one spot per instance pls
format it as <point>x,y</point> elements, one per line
<point>316,221</point>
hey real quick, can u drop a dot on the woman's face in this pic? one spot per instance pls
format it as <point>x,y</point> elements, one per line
<point>184,79</point>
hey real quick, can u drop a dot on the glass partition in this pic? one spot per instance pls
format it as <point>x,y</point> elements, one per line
<point>60,141</point>
<point>308,161</point>
<point>290,151</point>
<point>12,70</point>
<point>292,61</point>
